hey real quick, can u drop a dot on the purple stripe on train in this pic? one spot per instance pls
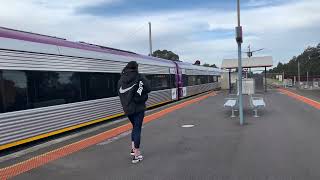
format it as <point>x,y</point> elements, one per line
<point>32,37</point>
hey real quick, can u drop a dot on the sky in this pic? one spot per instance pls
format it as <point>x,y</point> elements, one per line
<point>194,29</point>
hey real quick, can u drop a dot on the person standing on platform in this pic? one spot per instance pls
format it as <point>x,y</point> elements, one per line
<point>133,89</point>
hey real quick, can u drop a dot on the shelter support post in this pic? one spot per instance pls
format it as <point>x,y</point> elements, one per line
<point>239,39</point>
<point>265,79</point>
<point>229,81</point>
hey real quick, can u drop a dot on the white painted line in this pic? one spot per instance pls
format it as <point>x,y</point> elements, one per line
<point>187,126</point>
<point>114,138</point>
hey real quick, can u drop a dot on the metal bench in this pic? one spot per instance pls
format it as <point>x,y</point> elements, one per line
<point>231,103</point>
<point>257,103</point>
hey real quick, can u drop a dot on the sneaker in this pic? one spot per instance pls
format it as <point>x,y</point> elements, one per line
<point>132,152</point>
<point>137,159</point>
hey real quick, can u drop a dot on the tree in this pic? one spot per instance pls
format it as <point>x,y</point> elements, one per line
<point>309,62</point>
<point>197,62</point>
<point>208,65</point>
<point>165,54</point>
<point>214,66</point>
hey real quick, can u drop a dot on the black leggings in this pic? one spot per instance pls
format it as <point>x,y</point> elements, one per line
<point>136,120</point>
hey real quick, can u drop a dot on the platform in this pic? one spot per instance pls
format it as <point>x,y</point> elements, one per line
<point>312,94</point>
<point>283,143</point>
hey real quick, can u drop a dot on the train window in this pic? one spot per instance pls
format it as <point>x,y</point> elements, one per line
<point>1,94</point>
<point>215,78</point>
<point>205,79</point>
<point>53,88</point>
<point>184,80</point>
<point>173,81</point>
<point>21,90</point>
<point>159,81</point>
<point>211,79</point>
<point>14,90</point>
<point>202,79</point>
<point>192,80</point>
<point>198,80</point>
<point>100,85</point>
<point>116,78</point>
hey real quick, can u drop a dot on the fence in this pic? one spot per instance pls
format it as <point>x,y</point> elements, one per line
<point>306,82</point>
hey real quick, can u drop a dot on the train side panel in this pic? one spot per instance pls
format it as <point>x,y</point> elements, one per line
<point>23,126</point>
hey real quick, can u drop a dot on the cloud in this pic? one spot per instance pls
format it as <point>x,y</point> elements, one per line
<point>199,33</point>
<point>70,4</point>
<point>275,18</point>
<point>258,3</point>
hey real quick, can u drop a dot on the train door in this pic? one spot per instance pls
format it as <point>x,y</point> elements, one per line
<point>178,80</point>
<point>183,88</point>
<point>174,88</point>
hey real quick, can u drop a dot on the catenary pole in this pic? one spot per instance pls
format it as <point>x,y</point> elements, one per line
<point>150,39</point>
<point>239,40</point>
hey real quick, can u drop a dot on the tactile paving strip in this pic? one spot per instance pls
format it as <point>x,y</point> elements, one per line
<point>311,102</point>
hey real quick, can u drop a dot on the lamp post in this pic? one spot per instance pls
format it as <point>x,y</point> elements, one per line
<point>308,79</point>
<point>239,40</point>
<point>150,39</point>
<point>308,72</point>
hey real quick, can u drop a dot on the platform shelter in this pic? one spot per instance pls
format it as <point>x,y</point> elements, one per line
<point>253,62</point>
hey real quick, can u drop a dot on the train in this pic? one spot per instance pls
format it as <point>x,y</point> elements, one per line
<point>50,85</point>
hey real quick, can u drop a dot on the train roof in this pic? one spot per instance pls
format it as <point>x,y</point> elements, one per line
<point>33,42</point>
<point>190,66</point>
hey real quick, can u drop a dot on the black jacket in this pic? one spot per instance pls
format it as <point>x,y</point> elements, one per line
<point>133,89</point>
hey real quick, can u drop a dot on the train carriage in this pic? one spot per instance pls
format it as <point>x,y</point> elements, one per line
<point>49,85</point>
<point>197,79</point>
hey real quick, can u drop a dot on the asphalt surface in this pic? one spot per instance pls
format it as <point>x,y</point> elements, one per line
<point>281,144</point>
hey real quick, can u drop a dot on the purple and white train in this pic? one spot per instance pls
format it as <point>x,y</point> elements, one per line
<point>50,85</point>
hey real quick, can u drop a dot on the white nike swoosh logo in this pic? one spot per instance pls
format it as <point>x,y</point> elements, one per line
<point>125,90</point>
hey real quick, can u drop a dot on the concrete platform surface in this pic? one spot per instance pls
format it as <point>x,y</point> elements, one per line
<point>312,94</point>
<point>281,144</point>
